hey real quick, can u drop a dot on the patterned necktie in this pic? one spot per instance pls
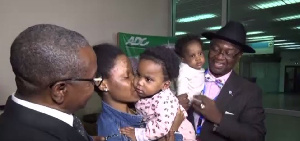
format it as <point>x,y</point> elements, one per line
<point>79,127</point>
<point>220,84</point>
<point>209,78</point>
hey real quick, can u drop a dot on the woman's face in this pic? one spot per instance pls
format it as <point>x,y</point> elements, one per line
<point>120,82</point>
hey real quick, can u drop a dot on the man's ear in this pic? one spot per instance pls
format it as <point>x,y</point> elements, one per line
<point>59,90</point>
<point>239,56</point>
<point>166,85</point>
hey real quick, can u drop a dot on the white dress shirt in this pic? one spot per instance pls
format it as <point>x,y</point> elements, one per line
<point>67,118</point>
<point>212,90</point>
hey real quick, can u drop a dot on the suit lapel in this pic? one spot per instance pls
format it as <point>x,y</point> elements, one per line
<point>42,122</point>
<point>228,91</point>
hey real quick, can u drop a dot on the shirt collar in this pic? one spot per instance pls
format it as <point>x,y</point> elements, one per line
<point>223,78</point>
<point>67,118</point>
<point>131,119</point>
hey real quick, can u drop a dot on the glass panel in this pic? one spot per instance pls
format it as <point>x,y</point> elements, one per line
<point>275,22</point>
<point>197,16</point>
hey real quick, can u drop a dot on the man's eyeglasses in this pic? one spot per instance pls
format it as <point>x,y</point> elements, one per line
<point>95,81</point>
<point>228,54</point>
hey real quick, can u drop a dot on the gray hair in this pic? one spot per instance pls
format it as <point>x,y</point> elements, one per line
<point>43,54</point>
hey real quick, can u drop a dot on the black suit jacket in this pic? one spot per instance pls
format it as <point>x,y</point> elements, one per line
<point>19,123</point>
<point>245,102</point>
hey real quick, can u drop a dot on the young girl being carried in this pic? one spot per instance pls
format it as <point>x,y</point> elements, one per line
<point>157,67</point>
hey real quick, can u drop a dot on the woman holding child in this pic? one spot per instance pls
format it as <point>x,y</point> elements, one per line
<point>117,91</point>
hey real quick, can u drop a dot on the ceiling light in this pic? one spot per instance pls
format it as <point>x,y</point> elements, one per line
<point>214,28</point>
<point>290,46</point>
<point>255,32</point>
<point>179,33</point>
<point>271,4</point>
<point>260,37</point>
<point>291,1</point>
<point>202,38</point>
<point>298,27</point>
<point>263,39</point>
<point>279,41</point>
<point>196,18</point>
<point>293,48</point>
<point>280,44</point>
<point>293,17</point>
<point>266,5</point>
<point>207,42</point>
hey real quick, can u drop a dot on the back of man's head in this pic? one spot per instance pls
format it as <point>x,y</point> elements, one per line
<point>43,54</point>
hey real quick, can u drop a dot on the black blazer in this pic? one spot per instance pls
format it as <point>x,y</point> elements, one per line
<point>245,102</point>
<point>19,123</point>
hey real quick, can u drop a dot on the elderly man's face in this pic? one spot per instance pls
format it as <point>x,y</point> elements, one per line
<point>79,92</point>
<point>222,57</point>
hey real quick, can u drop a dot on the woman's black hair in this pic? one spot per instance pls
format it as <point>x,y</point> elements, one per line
<point>106,56</point>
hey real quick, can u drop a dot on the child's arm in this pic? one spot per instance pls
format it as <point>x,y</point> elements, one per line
<point>182,90</point>
<point>138,134</point>
<point>164,115</point>
<point>182,84</point>
<point>175,126</point>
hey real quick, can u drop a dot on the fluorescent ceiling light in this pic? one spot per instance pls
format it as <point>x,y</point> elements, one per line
<point>214,28</point>
<point>202,38</point>
<point>207,42</point>
<point>298,27</point>
<point>255,32</point>
<point>263,39</point>
<point>196,18</point>
<point>279,41</point>
<point>291,1</point>
<point>293,17</point>
<point>260,37</point>
<point>293,48</point>
<point>290,46</point>
<point>180,33</point>
<point>271,4</point>
<point>284,44</point>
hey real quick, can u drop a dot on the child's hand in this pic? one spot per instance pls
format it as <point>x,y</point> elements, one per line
<point>129,132</point>
<point>184,101</point>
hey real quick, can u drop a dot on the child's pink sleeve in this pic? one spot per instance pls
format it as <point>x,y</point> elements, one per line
<point>165,113</point>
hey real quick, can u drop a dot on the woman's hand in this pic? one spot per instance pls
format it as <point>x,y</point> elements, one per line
<point>129,132</point>
<point>178,120</point>
<point>169,137</point>
<point>98,138</point>
<point>176,123</point>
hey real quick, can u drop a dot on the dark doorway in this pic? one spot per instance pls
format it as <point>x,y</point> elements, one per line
<point>292,79</point>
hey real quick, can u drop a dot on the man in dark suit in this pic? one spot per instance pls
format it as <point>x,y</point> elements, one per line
<point>231,107</point>
<point>54,72</point>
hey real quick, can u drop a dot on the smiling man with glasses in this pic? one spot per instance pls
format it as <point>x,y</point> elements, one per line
<point>54,72</point>
<point>230,108</point>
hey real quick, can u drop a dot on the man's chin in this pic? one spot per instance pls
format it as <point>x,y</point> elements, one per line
<point>216,72</point>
